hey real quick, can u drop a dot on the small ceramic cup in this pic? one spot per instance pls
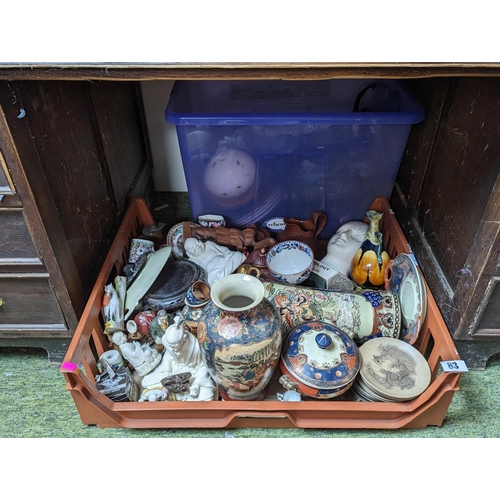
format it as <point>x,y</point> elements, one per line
<point>210,220</point>
<point>198,294</point>
<point>139,247</point>
<point>113,358</point>
<point>290,261</point>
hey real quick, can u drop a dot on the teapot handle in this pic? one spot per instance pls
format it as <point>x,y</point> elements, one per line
<point>321,219</point>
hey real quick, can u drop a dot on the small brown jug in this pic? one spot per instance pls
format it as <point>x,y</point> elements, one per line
<point>305,231</point>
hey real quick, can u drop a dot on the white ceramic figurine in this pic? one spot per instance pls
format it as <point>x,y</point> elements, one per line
<point>182,357</point>
<point>217,260</point>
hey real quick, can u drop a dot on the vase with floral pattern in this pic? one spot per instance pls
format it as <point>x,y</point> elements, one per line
<point>240,335</point>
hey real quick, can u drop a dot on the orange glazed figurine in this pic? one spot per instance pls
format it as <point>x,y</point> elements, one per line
<point>370,261</point>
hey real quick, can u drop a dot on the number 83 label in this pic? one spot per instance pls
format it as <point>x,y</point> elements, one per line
<point>455,365</point>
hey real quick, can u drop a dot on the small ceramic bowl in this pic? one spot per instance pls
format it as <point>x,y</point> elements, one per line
<point>290,261</point>
<point>211,220</point>
<point>198,294</point>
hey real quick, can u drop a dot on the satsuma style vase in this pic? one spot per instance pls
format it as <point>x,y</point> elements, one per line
<point>369,263</point>
<point>240,336</point>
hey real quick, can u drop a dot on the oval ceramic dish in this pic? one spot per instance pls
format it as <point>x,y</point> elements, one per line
<point>403,278</point>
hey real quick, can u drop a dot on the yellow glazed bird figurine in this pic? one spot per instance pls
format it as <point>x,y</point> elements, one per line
<point>370,261</point>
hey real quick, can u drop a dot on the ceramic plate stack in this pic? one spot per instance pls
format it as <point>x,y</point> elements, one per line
<point>391,370</point>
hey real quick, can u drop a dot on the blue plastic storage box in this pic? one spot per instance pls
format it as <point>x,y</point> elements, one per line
<point>257,150</point>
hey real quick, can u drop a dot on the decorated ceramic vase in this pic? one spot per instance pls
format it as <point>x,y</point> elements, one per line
<point>240,336</point>
<point>369,263</point>
<point>197,297</point>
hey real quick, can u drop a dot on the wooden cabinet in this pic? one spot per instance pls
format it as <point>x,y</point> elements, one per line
<point>447,199</point>
<point>72,140</point>
<point>73,154</point>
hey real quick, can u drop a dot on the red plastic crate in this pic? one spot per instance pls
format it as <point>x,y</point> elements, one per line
<point>89,342</point>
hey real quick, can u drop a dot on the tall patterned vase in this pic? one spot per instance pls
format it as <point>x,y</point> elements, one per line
<point>240,335</point>
<point>370,261</point>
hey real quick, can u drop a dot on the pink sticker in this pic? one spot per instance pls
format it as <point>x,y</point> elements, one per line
<point>69,366</point>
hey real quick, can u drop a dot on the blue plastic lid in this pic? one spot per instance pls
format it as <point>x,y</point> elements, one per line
<point>276,102</point>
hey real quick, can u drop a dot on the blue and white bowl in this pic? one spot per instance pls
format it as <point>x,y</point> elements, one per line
<point>290,262</point>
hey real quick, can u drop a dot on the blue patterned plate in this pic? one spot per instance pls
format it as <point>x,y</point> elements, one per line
<point>403,278</point>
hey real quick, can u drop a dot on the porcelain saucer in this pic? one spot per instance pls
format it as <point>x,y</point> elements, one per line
<point>405,281</point>
<point>146,277</point>
<point>174,239</point>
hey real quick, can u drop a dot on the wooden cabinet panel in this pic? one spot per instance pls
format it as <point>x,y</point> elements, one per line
<point>447,199</point>
<point>464,169</point>
<point>82,148</point>
<point>29,304</point>
<point>16,245</point>
<point>6,184</point>
<point>77,154</point>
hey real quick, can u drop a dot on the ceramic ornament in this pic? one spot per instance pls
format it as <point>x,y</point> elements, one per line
<point>240,336</point>
<point>230,174</point>
<point>369,263</point>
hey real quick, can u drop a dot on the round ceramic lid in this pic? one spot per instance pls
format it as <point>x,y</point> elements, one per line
<point>393,369</point>
<point>320,355</point>
<point>405,281</point>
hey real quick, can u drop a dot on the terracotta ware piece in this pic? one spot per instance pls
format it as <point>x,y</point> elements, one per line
<point>256,265</point>
<point>228,236</point>
<point>369,263</point>
<point>143,320</point>
<point>305,231</point>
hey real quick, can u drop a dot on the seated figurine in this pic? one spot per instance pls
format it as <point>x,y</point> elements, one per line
<point>335,267</point>
<point>217,260</point>
<point>182,356</point>
<point>141,356</point>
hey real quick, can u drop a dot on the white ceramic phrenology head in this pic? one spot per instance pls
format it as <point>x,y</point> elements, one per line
<point>344,244</point>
